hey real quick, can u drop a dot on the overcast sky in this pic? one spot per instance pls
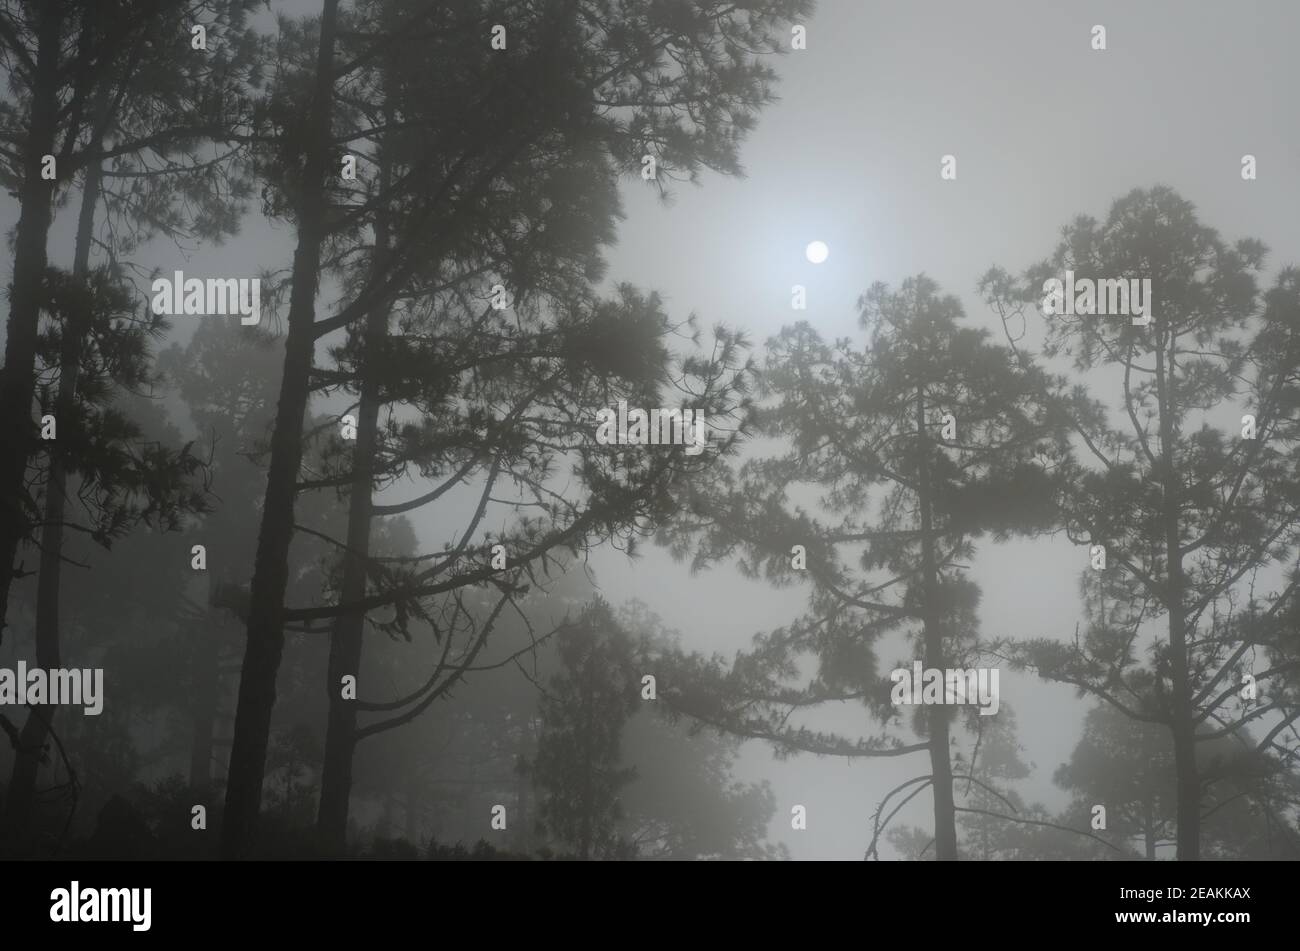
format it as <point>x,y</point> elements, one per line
<point>1043,128</point>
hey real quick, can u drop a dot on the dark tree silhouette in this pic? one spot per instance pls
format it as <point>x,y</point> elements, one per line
<point>99,461</point>
<point>86,74</point>
<point>1128,767</point>
<point>577,68</point>
<point>926,438</point>
<point>1192,512</point>
<point>578,767</point>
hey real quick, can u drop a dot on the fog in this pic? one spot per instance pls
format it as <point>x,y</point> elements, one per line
<point>1043,127</point>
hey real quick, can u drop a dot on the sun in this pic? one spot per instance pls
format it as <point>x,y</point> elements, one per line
<point>817,252</point>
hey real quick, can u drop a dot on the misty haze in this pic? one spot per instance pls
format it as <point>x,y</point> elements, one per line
<point>649,429</point>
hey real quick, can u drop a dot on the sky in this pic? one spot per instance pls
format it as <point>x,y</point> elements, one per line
<point>1043,128</point>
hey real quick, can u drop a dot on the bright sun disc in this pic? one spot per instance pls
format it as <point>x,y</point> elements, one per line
<point>817,252</point>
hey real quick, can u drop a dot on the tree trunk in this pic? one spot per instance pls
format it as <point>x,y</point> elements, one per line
<point>19,820</point>
<point>349,628</point>
<point>945,815</point>
<point>346,640</point>
<point>265,643</point>
<point>1183,727</point>
<point>205,686</point>
<point>17,380</point>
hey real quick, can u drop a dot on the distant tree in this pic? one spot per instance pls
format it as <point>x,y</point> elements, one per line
<point>106,618</point>
<point>991,801</point>
<point>910,842</point>
<point>578,768</point>
<point>439,773</point>
<point>1127,766</point>
<point>684,802</point>
<point>100,462</point>
<point>226,377</point>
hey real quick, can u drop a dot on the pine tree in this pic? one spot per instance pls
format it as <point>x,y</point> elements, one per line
<point>578,72</point>
<point>1196,506</point>
<point>104,90</point>
<point>577,769</point>
<point>923,439</point>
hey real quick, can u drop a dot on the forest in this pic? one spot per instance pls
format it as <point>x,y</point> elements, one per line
<point>362,498</point>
